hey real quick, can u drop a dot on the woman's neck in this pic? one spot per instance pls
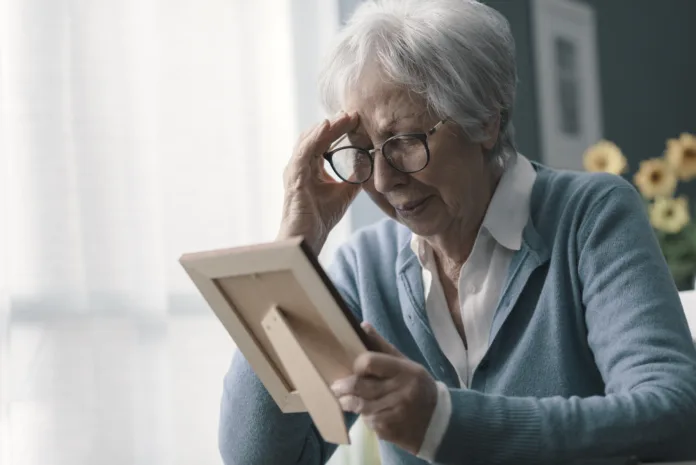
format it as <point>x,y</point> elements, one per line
<point>453,246</point>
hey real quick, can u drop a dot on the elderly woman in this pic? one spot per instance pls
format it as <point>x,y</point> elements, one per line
<point>529,313</point>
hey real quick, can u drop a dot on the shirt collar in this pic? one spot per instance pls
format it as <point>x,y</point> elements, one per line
<point>508,211</point>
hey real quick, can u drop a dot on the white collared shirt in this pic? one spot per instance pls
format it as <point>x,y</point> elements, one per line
<point>481,279</point>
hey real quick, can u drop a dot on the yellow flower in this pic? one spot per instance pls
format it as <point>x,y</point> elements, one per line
<point>655,179</point>
<point>669,215</point>
<point>605,157</point>
<point>681,154</point>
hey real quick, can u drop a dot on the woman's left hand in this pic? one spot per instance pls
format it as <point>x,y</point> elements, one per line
<point>396,396</point>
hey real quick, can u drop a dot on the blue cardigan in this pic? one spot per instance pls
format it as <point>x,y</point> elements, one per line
<point>590,353</point>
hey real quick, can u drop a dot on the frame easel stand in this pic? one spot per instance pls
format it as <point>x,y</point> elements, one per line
<point>316,395</point>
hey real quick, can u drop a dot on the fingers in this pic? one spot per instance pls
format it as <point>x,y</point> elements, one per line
<point>380,404</point>
<point>323,135</point>
<point>366,395</point>
<point>365,388</point>
<point>380,420</point>
<point>363,406</point>
<point>378,341</point>
<point>338,127</point>
<point>379,365</point>
<point>303,152</point>
<point>337,142</point>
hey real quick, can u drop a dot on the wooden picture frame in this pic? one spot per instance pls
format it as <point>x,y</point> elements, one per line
<point>288,320</point>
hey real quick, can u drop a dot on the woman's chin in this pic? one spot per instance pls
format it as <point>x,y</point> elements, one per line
<point>423,223</point>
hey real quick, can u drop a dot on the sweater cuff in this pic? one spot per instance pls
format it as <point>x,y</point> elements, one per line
<point>438,424</point>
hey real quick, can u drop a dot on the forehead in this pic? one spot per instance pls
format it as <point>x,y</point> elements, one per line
<point>381,103</point>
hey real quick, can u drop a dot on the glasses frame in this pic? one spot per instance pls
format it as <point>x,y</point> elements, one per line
<point>422,136</point>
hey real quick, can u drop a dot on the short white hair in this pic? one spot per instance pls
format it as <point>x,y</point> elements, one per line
<point>459,55</point>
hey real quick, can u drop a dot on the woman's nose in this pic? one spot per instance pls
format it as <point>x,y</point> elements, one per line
<point>385,176</point>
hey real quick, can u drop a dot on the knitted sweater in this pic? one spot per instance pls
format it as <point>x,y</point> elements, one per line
<point>590,355</point>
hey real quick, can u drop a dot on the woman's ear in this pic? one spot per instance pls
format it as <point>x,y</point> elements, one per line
<point>492,130</point>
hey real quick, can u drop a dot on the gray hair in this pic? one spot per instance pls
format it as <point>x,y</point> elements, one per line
<point>459,55</point>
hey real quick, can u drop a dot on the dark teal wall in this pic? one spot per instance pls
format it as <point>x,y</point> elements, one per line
<point>525,116</point>
<point>647,61</point>
<point>647,65</point>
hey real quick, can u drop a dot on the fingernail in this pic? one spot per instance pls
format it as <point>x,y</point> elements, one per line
<point>351,404</point>
<point>339,387</point>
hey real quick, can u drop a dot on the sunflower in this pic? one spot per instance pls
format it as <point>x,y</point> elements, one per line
<point>655,179</point>
<point>606,157</point>
<point>669,215</point>
<point>681,154</point>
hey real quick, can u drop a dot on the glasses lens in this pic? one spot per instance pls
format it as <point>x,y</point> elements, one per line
<point>352,165</point>
<point>406,153</point>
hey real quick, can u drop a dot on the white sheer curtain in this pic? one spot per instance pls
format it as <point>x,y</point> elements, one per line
<point>132,131</point>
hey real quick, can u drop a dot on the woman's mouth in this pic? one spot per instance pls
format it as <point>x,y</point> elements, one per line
<point>412,208</point>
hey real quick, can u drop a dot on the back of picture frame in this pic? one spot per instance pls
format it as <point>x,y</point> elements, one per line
<point>245,285</point>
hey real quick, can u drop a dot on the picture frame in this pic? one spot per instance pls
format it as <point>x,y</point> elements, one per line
<point>289,322</point>
<point>567,81</point>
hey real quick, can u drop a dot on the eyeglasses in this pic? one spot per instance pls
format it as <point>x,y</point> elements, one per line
<point>408,153</point>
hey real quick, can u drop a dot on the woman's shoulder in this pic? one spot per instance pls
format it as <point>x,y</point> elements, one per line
<point>369,256</point>
<point>381,240</point>
<point>570,182</point>
<point>575,194</point>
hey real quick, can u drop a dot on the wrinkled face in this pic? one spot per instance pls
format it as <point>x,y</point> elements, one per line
<point>454,188</point>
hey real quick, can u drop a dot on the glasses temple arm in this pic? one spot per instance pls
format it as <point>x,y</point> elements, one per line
<point>437,126</point>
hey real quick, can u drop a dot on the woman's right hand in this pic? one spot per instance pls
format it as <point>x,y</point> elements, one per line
<point>315,202</point>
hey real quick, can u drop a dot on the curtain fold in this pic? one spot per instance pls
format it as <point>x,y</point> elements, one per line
<point>137,131</point>
<point>131,132</point>
<point>4,226</point>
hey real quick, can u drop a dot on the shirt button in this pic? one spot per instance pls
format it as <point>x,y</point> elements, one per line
<point>471,289</point>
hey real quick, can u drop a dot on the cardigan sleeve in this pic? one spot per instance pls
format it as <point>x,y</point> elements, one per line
<point>637,332</point>
<point>252,429</point>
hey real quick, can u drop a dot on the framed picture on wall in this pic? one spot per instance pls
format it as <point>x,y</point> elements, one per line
<point>567,78</point>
